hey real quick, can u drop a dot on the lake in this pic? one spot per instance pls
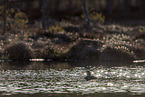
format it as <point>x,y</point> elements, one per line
<point>59,79</point>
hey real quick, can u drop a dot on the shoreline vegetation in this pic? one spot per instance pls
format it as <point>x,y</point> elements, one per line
<point>73,41</point>
<point>90,35</point>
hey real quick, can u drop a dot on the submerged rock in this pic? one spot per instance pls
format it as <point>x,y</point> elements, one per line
<point>18,52</point>
<point>111,54</point>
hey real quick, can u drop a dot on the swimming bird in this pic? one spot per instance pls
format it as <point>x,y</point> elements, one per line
<point>89,77</point>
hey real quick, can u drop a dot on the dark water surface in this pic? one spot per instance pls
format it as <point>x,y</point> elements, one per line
<point>57,79</point>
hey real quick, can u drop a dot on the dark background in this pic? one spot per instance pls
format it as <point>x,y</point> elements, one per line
<point>115,10</point>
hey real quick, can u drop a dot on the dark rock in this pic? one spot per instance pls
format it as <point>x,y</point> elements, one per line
<point>18,52</point>
<point>71,29</point>
<point>60,39</point>
<point>111,54</point>
<point>1,55</point>
<point>139,36</point>
<point>140,53</point>
<point>3,37</point>
<point>84,50</point>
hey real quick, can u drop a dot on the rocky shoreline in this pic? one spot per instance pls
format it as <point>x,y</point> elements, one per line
<point>111,45</point>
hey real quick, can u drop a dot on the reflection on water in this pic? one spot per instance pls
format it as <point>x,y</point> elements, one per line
<point>55,78</point>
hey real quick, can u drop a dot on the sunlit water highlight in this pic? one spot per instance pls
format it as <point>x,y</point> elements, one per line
<point>51,80</point>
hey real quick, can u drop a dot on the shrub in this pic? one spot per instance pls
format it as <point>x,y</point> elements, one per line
<point>16,20</point>
<point>96,16</point>
<point>56,28</point>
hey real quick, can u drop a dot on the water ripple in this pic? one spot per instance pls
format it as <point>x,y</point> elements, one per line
<point>109,80</point>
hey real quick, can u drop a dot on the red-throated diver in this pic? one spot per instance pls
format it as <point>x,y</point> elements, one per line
<point>89,77</point>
